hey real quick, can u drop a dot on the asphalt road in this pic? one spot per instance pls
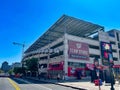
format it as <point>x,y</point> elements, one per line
<point>26,84</point>
<point>5,84</point>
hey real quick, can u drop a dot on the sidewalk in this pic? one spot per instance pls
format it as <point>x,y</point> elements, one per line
<point>83,84</point>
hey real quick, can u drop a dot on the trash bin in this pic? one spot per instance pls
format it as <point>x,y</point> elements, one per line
<point>97,82</point>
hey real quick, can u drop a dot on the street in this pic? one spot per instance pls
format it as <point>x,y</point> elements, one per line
<point>5,84</point>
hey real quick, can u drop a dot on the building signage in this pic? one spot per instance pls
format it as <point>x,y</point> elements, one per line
<point>78,50</point>
<point>106,53</point>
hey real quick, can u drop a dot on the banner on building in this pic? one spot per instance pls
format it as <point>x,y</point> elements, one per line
<point>106,53</point>
<point>78,50</point>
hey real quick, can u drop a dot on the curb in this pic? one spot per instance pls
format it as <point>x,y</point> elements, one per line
<point>58,84</point>
<point>15,85</point>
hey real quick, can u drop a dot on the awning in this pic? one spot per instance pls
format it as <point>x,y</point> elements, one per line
<point>56,66</point>
<point>91,66</point>
<point>116,66</point>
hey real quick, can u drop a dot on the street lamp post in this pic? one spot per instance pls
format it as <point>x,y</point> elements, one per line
<point>23,46</point>
<point>107,47</point>
<point>97,67</point>
<point>111,74</point>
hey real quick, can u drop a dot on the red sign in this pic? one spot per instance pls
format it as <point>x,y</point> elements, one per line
<point>78,50</point>
<point>56,66</point>
<point>73,71</point>
<point>116,66</point>
<point>90,66</point>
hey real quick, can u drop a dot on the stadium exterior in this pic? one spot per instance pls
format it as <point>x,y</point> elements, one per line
<point>71,45</point>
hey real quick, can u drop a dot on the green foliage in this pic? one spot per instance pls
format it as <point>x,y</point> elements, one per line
<point>1,71</point>
<point>19,70</point>
<point>32,64</point>
<point>10,71</point>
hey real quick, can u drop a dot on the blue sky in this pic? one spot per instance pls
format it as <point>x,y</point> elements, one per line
<point>25,20</point>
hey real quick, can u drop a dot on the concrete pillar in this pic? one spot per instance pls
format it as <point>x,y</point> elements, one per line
<point>65,54</point>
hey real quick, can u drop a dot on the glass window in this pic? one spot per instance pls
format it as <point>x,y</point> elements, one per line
<point>111,42</point>
<point>76,65</point>
<point>119,53</point>
<point>94,56</point>
<point>93,47</point>
<point>45,57</point>
<point>115,59</point>
<point>56,54</point>
<point>117,36</point>
<point>111,34</point>
<point>57,45</point>
<point>118,45</point>
<point>113,50</point>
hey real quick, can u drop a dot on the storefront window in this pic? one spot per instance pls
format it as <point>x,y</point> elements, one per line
<point>76,65</point>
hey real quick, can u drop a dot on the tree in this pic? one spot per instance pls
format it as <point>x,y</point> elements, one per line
<point>1,71</point>
<point>20,70</point>
<point>10,71</point>
<point>32,64</point>
<point>17,70</point>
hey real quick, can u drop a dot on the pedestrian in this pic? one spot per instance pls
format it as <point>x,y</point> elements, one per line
<point>48,76</point>
<point>119,79</point>
<point>58,77</point>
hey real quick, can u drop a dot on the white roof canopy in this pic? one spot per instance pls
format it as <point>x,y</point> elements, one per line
<point>65,24</point>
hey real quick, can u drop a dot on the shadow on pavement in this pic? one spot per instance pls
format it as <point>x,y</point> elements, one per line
<point>27,81</point>
<point>61,81</point>
<point>33,80</point>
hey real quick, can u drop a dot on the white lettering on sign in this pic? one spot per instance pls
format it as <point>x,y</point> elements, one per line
<point>78,50</point>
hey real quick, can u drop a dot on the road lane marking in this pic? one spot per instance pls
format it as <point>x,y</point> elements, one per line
<point>14,84</point>
<point>34,85</point>
<point>43,87</point>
